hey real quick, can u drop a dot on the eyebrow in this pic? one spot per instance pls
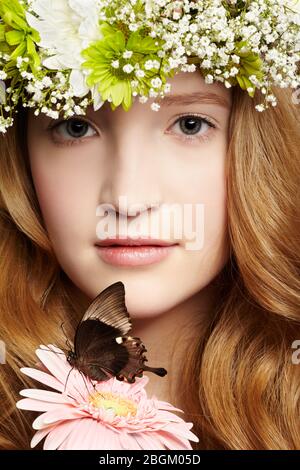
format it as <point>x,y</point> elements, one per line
<point>197,97</point>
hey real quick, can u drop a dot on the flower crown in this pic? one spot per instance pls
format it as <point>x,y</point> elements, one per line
<point>61,56</point>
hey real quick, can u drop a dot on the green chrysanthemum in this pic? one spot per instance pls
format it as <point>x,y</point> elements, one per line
<point>119,65</point>
<point>17,38</point>
<point>250,64</point>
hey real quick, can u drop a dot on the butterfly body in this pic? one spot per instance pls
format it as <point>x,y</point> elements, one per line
<point>102,348</point>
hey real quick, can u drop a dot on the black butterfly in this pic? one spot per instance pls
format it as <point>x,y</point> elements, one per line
<point>102,348</point>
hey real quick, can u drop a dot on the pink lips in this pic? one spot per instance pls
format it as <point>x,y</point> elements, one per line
<point>133,252</point>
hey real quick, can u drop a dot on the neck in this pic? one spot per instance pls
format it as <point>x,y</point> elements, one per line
<point>168,337</point>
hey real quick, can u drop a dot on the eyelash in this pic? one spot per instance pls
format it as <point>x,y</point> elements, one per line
<point>183,137</point>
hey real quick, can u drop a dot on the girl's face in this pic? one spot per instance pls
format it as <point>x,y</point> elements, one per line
<point>146,161</point>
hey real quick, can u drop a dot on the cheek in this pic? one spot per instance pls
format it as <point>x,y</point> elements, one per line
<point>213,195</point>
<point>69,192</point>
<point>202,184</point>
<point>66,196</point>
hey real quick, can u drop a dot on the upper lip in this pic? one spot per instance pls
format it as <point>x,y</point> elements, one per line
<point>127,241</point>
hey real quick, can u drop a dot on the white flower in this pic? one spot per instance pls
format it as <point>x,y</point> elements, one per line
<point>115,64</point>
<point>140,73</point>
<point>155,106</point>
<point>156,82</point>
<point>127,54</point>
<point>128,68</point>
<point>66,27</point>
<point>295,5</point>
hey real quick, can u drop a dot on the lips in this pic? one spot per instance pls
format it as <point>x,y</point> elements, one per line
<point>129,252</point>
<point>134,242</point>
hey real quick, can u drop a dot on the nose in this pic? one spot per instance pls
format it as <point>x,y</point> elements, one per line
<point>132,183</point>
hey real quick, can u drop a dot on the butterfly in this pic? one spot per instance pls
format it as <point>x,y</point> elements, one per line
<point>102,347</point>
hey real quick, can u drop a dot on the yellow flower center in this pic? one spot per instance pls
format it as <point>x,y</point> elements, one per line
<point>121,406</point>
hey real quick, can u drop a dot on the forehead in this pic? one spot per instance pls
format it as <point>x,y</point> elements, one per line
<point>190,88</point>
<point>187,88</point>
<point>190,82</point>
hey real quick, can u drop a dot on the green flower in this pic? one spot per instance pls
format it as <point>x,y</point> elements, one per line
<point>17,38</point>
<point>250,64</point>
<point>119,64</point>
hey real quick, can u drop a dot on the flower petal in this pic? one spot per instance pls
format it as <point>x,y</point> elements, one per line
<point>93,433</point>
<point>97,99</point>
<point>167,416</point>
<point>60,413</point>
<point>174,442</point>
<point>54,363</point>
<point>148,441</point>
<point>181,430</point>
<point>45,395</point>
<point>164,405</point>
<point>60,433</point>
<point>65,413</point>
<point>43,377</point>
<point>72,442</point>
<point>78,84</point>
<point>35,405</point>
<point>39,435</point>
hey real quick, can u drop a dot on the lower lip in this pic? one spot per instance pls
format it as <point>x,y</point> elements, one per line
<point>133,255</point>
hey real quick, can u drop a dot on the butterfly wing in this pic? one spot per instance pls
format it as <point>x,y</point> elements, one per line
<point>99,355</point>
<point>102,348</point>
<point>109,307</point>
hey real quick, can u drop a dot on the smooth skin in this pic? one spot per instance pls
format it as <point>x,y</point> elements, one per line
<point>172,156</point>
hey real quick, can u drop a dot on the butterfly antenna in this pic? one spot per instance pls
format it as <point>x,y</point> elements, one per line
<point>68,378</point>
<point>51,350</point>
<point>83,376</point>
<point>67,340</point>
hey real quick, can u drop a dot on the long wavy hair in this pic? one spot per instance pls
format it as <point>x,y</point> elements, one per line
<point>238,383</point>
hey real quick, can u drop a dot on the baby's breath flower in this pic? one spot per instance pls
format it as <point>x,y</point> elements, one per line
<point>114,51</point>
<point>155,106</point>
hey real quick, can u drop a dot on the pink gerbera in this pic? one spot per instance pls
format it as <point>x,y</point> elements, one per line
<point>99,415</point>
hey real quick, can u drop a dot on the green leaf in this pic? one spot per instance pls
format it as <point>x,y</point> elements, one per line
<point>127,102</point>
<point>14,37</point>
<point>2,32</point>
<point>2,92</point>
<point>145,45</point>
<point>240,79</point>
<point>12,5</point>
<point>117,93</point>
<point>19,51</point>
<point>133,41</point>
<point>32,52</point>
<point>4,47</point>
<point>106,29</point>
<point>117,41</point>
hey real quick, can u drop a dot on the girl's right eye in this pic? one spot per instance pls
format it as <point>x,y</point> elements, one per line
<point>72,131</point>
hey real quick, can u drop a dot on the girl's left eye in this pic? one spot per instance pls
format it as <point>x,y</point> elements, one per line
<point>73,130</point>
<point>193,127</point>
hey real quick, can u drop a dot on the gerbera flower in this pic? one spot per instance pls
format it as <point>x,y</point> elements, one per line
<point>112,414</point>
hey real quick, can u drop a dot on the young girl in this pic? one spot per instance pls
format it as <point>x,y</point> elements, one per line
<point>221,316</point>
